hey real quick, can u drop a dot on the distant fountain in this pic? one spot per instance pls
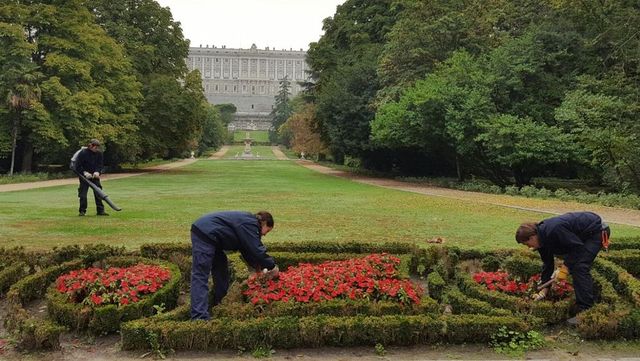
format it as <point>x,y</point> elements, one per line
<point>247,146</point>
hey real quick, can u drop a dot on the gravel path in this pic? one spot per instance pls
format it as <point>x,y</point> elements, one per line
<point>220,153</point>
<point>278,153</point>
<point>105,177</point>
<point>630,217</point>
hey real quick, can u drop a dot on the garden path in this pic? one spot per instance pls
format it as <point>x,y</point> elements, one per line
<point>278,153</point>
<point>220,153</point>
<point>630,217</point>
<point>66,181</point>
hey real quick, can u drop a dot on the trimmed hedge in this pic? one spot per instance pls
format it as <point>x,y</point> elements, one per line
<point>316,331</point>
<point>622,281</point>
<point>12,274</point>
<point>462,304</point>
<point>107,319</point>
<point>32,333</point>
<point>629,259</point>
<point>165,250</point>
<point>618,243</point>
<point>241,311</point>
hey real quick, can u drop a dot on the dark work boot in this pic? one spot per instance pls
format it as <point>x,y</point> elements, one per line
<point>103,213</point>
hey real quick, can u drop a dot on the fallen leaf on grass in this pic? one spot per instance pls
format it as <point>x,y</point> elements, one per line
<point>436,240</point>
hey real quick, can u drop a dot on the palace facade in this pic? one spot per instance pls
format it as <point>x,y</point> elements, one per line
<point>247,78</point>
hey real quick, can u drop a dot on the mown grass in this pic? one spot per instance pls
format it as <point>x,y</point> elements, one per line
<point>261,151</point>
<point>307,206</point>
<point>255,135</point>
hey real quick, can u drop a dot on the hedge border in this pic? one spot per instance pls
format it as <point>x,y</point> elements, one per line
<point>629,259</point>
<point>316,331</point>
<point>11,275</point>
<point>622,281</point>
<point>30,332</point>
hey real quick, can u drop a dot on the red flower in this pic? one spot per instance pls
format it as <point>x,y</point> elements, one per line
<point>371,277</point>
<point>95,286</point>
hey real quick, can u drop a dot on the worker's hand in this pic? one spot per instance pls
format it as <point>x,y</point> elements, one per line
<point>541,295</point>
<point>96,175</point>
<point>87,175</point>
<point>562,273</point>
<point>272,273</point>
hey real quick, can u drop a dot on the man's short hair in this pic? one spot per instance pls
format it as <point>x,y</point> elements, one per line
<point>94,142</point>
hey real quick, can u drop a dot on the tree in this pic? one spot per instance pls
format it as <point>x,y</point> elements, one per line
<point>214,132</point>
<point>343,66</point>
<point>174,115</point>
<point>84,94</point>
<point>524,146</point>
<point>227,112</point>
<point>282,110</point>
<point>150,36</point>
<point>602,114</point>
<point>305,138</point>
<point>18,83</point>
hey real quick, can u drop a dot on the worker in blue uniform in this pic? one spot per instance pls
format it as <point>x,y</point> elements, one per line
<point>212,235</point>
<point>577,237</point>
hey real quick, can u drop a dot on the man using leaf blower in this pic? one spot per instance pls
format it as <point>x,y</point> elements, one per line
<point>577,237</point>
<point>89,164</point>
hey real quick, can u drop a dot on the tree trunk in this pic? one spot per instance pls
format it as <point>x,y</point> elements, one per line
<point>27,156</point>
<point>459,169</point>
<point>14,141</point>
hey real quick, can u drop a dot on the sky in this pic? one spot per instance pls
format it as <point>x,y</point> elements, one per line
<point>283,24</point>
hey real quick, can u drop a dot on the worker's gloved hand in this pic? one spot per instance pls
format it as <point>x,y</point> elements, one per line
<point>562,273</point>
<point>272,273</point>
<point>87,175</point>
<point>96,175</point>
<point>540,295</point>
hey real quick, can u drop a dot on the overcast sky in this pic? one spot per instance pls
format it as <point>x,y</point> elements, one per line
<point>282,24</point>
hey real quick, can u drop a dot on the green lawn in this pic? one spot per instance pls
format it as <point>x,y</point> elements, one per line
<point>263,151</point>
<point>306,205</point>
<point>256,135</point>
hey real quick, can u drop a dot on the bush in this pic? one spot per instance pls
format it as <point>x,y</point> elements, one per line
<point>436,285</point>
<point>11,274</point>
<point>491,263</point>
<point>30,333</point>
<point>522,267</point>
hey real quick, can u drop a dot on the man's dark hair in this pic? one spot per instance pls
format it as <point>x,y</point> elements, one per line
<point>525,231</point>
<point>266,217</point>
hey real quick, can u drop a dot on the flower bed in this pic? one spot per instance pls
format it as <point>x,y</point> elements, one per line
<point>501,281</point>
<point>100,299</point>
<point>115,285</point>
<point>373,277</point>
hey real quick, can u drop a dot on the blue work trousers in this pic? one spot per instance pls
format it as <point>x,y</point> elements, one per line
<point>207,259</point>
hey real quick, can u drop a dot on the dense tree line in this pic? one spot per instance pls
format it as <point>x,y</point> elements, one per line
<point>113,70</point>
<point>507,90</point>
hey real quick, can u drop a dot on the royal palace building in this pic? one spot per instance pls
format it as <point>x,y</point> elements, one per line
<point>247,78</point>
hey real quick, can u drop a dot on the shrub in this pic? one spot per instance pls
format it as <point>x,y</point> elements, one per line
<point>522,267</point>
<point>31,333</point>
<point>491,263</point>
<point>11,274</point>
<point>436,285</point>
